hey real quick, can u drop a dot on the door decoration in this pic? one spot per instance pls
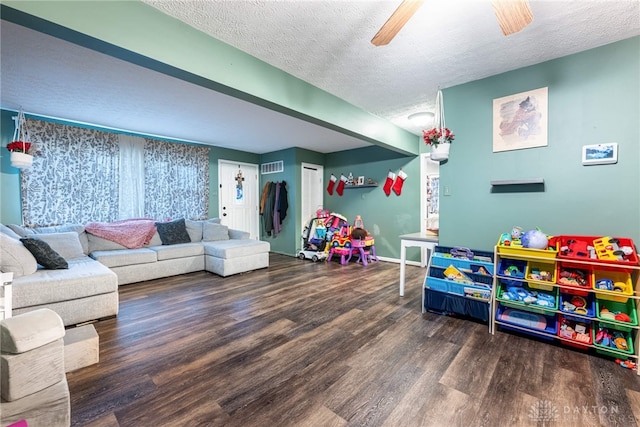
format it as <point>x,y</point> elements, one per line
<point>239,191</point>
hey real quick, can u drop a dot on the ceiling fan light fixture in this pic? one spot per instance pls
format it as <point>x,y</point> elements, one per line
<point>513,15</point>
<point>422,118</point>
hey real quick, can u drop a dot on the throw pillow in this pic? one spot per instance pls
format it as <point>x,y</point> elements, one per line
<point>173,232</point>
<point>67,244</point>
<point>212,232</point>
<point>46,257</point>
<point>15,258</point>
<point>194,228</point>
<point>9,232</point>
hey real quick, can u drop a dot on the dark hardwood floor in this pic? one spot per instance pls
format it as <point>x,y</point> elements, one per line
<point>320,344</point>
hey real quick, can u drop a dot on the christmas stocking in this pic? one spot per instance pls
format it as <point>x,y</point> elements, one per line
<point>388,183</point>
<point>397,186</point>
<point>340,188</point>
<point>332,183</point>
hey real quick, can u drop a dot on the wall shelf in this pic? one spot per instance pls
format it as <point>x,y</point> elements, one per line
<point>360,186</point>
<point>518,181</point>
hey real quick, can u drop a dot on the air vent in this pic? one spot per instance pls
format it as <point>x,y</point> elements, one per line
<point>272,167</point>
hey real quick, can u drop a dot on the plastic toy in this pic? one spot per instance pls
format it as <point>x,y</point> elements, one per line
<point>459,252</point>
<point>629,364</point>
<point>513,238</point>
<point>535,239</point>
<point>578,248</point>
<point>611,338</point>
<point>519,294</point>
<point>314,256</point>
<point>537,274</point>
<point>577,305</point>
<point>605,284</point>
<point>573,277</point>
<point>607,248</point>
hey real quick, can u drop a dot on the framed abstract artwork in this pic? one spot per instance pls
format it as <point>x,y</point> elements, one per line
<point>520,121</point>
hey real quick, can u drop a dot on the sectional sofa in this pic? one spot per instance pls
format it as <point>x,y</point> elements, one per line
<point>88,289</point>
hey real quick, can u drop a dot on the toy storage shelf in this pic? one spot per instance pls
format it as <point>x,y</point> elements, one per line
<point>444,296</point>
<point>555,321</point>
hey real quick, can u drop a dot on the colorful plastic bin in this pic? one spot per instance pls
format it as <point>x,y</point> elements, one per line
<point>582,251</point>
<point>628,308</point>
<point>609,350</point>
<point>504,299</point>
<point>527,320</point>
<point>576,330</point>
<point>571,282</point>
<point>621,280</point>
<point>570,298</point>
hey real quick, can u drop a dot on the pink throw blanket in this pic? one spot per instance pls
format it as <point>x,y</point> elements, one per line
<point>130,233</point>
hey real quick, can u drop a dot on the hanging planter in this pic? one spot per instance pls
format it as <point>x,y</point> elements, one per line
<point>439,138</point>
<point>21,160</point>
<point>22,152</point>
<point>440,151</point>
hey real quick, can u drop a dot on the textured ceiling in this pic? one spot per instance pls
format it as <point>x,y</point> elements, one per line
<point>446,43</point>
<point>326,43</point>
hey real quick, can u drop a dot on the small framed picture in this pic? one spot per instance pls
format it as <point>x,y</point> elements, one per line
<point>360,180</point>
<point>600,154</point>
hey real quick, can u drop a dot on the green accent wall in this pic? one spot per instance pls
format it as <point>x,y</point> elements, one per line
<point>384,217</point>
<point>594,98</point>
<point>10,208</point>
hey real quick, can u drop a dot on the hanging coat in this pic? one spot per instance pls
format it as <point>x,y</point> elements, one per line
<point>268,209</point>
<point>277,224</point>
<point>283,203</point>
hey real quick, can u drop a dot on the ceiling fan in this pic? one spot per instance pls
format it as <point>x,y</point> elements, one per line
<point>513,16</point>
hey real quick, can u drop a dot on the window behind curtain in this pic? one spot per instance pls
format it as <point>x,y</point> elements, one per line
<point>176,180</point>
<point>78,177</point>
<point>74,180</point>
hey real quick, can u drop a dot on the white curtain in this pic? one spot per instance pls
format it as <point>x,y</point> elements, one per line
<point>131,189</point>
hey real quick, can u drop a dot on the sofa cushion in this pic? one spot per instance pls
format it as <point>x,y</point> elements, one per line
<point>155,240</point>
<point>64,228</point>
<point>66,244</point>
<point>84,278</point>
<point>181,250</point>
<point>44,255</point>
<point>173,232</point>
<point>15,258</point>
<point>194,228</point>
<point>117,258</point>
<point>212,232</point>
<point>235,248</point>
<point>99,244</point>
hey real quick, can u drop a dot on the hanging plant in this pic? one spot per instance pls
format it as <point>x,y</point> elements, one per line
<point>22,151</point>
<point>439,138</point>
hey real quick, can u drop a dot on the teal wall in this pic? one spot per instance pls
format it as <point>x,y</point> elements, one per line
<point>594,97</point>
<point>285,241</point>
<point>384,217</point>
<point>10,210</point>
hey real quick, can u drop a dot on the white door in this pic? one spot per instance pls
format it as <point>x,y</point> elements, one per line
<point>238,198</point>
<point>312,183</point>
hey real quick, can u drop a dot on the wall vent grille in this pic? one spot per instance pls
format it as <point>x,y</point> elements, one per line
<point>272,167</point>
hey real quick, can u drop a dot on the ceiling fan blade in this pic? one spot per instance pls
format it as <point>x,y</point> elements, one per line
<point>513,15</point>
<point>396,21</point>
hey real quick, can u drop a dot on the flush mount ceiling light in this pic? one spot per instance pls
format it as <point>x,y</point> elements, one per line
<point>422,118</point>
